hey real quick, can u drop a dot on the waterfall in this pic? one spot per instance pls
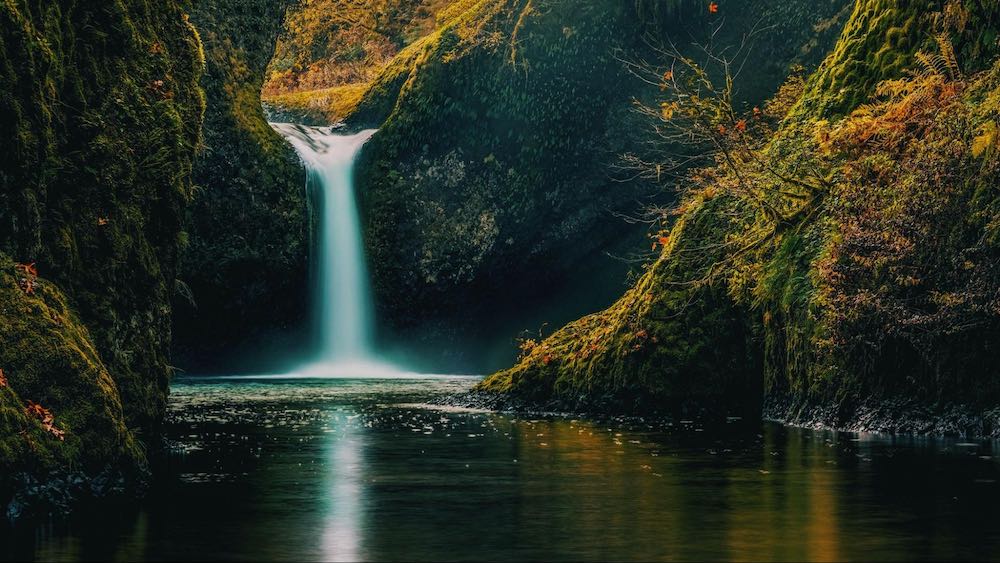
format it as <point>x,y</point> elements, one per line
<point>343,300</point>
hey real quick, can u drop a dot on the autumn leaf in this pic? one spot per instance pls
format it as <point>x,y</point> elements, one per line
<point>37,411</point>
<point>663,240</point>
<point>741,126</point>
<point>27,286</point>
<point>547,359</point>
<point>46,417</point>
<point>713,8</point>
<point>27,283</point>
<point>723,130</point>
<point>102,221</point>
<point>29,269</point>
<point>667,110</point>
<point>3,379</point>
<point>57,432</point>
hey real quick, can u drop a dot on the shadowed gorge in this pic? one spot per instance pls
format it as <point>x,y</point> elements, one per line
<point>507,280</point>
<point>244,278</point>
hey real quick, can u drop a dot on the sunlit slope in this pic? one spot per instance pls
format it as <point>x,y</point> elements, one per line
<point>877,288</point>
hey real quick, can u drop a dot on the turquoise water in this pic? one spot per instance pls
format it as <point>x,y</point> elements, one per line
<point>365,470</point>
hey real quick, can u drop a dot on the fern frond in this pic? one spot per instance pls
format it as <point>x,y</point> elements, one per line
<point>932,65</point>
<point>948,55</point>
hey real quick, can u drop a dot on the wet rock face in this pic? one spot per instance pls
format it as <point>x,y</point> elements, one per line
<point>493,184</point>
<point>244,273</point>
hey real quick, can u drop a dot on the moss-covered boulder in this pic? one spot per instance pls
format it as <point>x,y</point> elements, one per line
<point>669,345</point>
<point>244,272</point>
<point>48,359</point>
<point>495,181</point>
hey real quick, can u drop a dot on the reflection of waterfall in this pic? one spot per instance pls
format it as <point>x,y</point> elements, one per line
<point>341,534</point>
<point>343,296</point>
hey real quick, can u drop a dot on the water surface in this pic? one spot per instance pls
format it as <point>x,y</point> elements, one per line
<point>361,470</point>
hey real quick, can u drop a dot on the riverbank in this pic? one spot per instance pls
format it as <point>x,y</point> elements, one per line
<point>893,416</point>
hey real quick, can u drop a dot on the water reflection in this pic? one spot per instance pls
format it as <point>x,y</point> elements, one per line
<point>349,470</point>
<point>342,532</point>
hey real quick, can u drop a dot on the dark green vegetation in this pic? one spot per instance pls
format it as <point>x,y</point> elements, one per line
<point>100,117</point>
<point>491,187</point>
<point>850,257</point>
<point>244,273</point>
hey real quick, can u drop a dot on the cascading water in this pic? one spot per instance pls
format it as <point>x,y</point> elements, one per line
<point>343,295</point>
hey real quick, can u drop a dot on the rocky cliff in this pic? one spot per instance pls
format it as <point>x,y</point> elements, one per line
<point>494,187</point>
<point>100,118</point>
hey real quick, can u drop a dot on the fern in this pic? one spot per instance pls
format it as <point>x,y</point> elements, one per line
<point>947,49</point>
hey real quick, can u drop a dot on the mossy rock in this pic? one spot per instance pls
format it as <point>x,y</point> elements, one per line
<point>880,41</point>
<point>674,344</point>
<point>48,357</point>
<point>827,328</point>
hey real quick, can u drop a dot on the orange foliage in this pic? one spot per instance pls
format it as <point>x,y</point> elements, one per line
<point>27,282</point>
<point>46,417</point>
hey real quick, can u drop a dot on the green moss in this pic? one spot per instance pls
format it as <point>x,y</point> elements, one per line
<point>100,119</point>
<point>674,341</point>
<point>879,43</point>
<point>48,357</point>
<point>882,291</point>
